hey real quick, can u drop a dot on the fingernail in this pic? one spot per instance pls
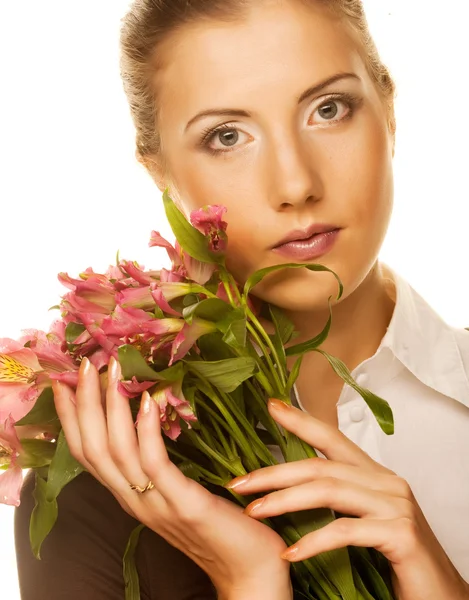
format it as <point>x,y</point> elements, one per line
<point>113,369</point>
<point>146,405</point>
<point>276,404</point>
<point>290,553</point>
<point>61,389</point>
<point>254,506</point>
<point>85,367</point>
<point>57,388</point>
<point>237,482</point>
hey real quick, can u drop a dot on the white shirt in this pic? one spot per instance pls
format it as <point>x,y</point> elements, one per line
<point>421,368</point>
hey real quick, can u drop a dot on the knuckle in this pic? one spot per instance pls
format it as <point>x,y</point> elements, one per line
<point>315,466</point>
<point>408,533</point>
<point>330,486</point>
<point>404,489</point>
<point>343,527</point>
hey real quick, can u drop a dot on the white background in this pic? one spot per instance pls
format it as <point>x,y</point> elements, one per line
<point>72,193</point>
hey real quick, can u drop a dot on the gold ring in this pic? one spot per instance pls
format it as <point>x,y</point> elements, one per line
<point>150,485</point>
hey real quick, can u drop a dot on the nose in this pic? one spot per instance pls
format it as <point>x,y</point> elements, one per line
<point>293,174</point>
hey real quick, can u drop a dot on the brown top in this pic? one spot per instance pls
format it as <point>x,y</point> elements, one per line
<point>82,556</point>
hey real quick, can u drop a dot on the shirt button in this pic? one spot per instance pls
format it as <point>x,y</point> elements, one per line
<point>357,413</point>
<point>362,379</point>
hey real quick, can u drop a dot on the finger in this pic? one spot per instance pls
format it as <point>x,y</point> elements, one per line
<point>122,436</point>
<point>392,537</point>
<point>66,411</point>
<point>326,438</point>
<point>338,495</point>
<point>168,479</point>
<point>93,431</point>
<point>303,471</point>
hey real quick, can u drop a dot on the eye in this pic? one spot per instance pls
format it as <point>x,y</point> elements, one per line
<point>336,108</point>
<point>226,136</point>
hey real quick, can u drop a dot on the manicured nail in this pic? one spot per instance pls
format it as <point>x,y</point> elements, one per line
<point>290,553</point>
<point>62,390</point>
<point>237,482</point>
<point>276,404</point>
<point>113,369</point>
<point>57,388</point>
<point>85,366</point>
<point>254,506</point>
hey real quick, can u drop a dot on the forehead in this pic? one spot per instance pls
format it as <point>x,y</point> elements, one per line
<point>277,46</point>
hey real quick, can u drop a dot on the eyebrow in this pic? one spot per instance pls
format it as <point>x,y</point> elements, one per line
<point>235,112</point>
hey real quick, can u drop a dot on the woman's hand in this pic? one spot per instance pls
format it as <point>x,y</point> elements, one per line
<point>352,483</point>
<point>240,555</point>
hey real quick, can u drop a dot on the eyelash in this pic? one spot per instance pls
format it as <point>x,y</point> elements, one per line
<point>353,103</point>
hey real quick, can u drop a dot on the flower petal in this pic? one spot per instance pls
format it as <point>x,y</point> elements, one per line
<point>11,482</point>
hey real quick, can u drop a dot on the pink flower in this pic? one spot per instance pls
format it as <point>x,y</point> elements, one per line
<point>187,337</point>
<point>183,265</point>
<point>209,221</point>
<point>93,293</point>
<point>136,297</point>
<point>137,272</point>
<point>133,388</point>
<point>22,379</point>
<point>173,407</point>
<point>11,480</point>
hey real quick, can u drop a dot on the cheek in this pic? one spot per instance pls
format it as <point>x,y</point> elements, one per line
<point>198,185</point>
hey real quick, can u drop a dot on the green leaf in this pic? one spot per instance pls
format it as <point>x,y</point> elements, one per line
<point>225,375</point>
<point>293,376</point>
<point>43,517</point>
<point>174,373</point>
<point>277,338</point>
<point>37,453</point>
<point>233,326</point>
<point>379,407</point>
<point>134,365</point>
<point>282,323</point>
<point>158,313</point>
<point>131,581</point>
<point>63,469</point>
<point>371,577</point>
<point>72,331</point>
<point>190,239</point>
<point>190,470</point>
<point>213,347</point>
<point>258,276</point>
<point>43,411</point>
<point>212,309</point>
<point>315,342</point>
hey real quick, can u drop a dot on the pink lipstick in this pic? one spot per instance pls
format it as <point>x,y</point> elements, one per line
<point>308,244</point>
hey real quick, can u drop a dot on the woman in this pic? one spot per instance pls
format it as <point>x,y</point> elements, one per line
<point>282,112</point>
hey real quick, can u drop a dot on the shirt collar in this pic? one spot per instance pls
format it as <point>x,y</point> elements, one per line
<point>425,344</point>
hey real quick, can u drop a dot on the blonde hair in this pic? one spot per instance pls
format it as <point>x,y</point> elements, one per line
<point>149,23</point>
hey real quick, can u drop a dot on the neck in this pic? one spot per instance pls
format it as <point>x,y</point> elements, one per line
<point>359,323</point>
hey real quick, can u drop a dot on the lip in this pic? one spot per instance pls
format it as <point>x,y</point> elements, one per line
<point>304,234</point>
<point>303,249</point>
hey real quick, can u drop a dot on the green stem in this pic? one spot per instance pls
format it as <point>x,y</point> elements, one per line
<point>210,477</point>
<point>264,453</point>
<point>270,424</point>
<point>227,448</point>
<point>269,343</point>
<point>262,347</point>
<point>235,430</point>
<point>216,418</point>
<point>205,448</point>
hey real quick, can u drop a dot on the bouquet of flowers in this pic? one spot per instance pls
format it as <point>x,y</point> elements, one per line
<point>191,337</point>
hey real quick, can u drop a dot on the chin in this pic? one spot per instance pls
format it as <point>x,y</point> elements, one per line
<point>301,290</point>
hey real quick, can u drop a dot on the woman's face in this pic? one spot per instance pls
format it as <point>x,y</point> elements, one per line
<point>282,160</point>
